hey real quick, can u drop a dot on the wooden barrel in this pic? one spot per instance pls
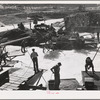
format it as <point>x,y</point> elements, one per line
<point>51,84</point>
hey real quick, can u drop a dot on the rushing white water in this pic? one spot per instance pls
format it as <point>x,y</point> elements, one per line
<point>73,62</point>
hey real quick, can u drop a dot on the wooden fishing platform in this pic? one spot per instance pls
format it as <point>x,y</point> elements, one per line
<point>4,76</point>
<point>16,76</point>
<point>4,72</point>
<point>90,80</point>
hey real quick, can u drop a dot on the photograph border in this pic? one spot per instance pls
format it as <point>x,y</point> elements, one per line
<point>36,95</point>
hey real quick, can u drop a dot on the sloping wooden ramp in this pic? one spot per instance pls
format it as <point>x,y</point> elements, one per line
<point>32,82</point>
<point>34,78</point>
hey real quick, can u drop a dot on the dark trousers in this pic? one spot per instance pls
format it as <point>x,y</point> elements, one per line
<point>98,37</point>
<point>35,64</point>
<point>2,58</point>
<point>57,82</point>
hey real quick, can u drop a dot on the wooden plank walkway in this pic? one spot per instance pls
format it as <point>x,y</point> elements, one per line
<point>95,78</point>
<point>16,76</point>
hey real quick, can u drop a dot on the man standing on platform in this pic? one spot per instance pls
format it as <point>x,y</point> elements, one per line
<point>56,70</point>
<point>34,58</point>
<point>98,37</point>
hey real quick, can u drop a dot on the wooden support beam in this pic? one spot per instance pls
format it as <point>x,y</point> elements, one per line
<point>12,41</point>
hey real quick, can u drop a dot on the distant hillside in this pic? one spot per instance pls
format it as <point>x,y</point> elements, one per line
<point>15,13</point>
<point>17,8</point>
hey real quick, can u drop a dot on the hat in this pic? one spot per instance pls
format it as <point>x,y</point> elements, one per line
<point>33,49</point>
<point>59,64</point>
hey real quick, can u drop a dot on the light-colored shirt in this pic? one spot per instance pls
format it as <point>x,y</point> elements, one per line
<point>34,55</point>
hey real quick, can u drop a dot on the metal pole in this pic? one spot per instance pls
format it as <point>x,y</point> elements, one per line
<point>96,53</point>
<point>30,24</point>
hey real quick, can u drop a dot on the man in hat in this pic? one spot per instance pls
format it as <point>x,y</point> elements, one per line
<point>34,58</point>
<point>56,70</point>
<point>21,26</point>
